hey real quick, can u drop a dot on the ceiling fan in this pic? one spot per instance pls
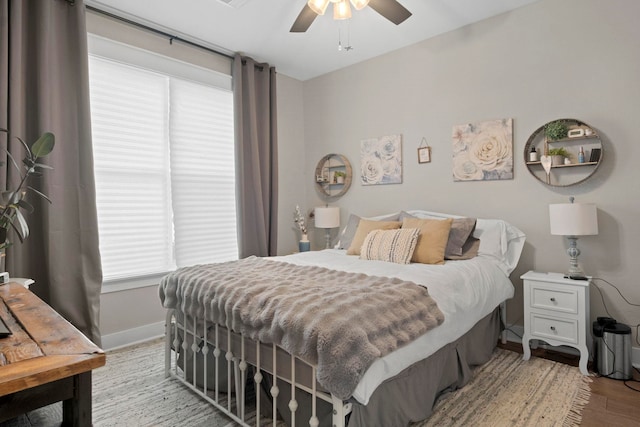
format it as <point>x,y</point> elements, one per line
<point>390,9</point>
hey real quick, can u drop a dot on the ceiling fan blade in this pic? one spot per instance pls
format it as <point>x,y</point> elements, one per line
<point>390,9</point>
<point>304,20</point>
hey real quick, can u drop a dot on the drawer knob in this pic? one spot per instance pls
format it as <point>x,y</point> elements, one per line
<point>552,299</point>
<point>553,328</point>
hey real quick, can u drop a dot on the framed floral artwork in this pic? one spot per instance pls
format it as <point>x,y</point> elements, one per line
<point>381,160</point>
<point>483,151</point>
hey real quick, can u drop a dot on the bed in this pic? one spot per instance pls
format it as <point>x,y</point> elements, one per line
<point>260,370</point>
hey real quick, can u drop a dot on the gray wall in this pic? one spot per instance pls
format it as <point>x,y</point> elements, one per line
<point>552,59</point>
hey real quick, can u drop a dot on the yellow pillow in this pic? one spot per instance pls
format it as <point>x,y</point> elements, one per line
<point>432,242</point>
<point>364,227</point>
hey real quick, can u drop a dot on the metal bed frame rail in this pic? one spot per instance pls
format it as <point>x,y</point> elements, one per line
<point>233,404</point>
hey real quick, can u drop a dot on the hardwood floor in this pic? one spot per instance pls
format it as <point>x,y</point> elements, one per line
<point>612,403</point>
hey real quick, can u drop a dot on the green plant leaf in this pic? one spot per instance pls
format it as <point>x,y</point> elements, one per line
<point>5,197</point>
<point>43,146</point>
<point>24,144</point>
<point>23,230</point>
<point>44,196</point>
<point>12,160</point>
<point>16,197</point>
<point>26,206</point>
<point>42,166</point>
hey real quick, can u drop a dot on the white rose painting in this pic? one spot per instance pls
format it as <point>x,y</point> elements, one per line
<point>381,160</point>
<point>483,151</point>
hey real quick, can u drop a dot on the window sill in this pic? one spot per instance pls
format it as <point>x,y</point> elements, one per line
<point>119,285</point>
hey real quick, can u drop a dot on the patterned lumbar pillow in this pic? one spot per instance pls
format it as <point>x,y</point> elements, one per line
<point>365,226</point>
<point>390,245</point>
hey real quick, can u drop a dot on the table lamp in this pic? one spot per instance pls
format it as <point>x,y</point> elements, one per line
<point>573,220</point>
<point>327,217</point>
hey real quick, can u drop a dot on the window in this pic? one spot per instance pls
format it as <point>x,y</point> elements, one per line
<point>164,168</point>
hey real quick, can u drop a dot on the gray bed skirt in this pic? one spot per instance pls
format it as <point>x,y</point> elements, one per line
<point>411,395</point>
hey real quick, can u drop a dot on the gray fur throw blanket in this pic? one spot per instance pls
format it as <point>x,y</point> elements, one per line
<point>341,322</point>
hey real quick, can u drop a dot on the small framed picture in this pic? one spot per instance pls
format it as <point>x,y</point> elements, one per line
<point>424,154</point>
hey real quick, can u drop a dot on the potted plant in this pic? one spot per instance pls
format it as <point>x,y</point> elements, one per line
<point>558,155</point>
<point>556,130</point>
<point>338,177</point>
<point>13,202</point>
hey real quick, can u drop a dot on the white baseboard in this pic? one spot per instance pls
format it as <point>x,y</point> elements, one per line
<point>515,332</point>
<point>132,336</point>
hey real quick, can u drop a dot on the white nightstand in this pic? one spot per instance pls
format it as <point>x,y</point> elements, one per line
<point>556,310</point>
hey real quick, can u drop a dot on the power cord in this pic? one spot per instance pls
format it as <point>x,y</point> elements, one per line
<point>633,381</point>
<point>637,327</point>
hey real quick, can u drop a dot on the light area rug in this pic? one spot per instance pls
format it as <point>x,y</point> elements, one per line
<point>130,390</point>
<point>506,391</point>
<point>509,391</point>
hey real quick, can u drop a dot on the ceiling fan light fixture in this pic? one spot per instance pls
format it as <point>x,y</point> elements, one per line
<point>360,4</point>
<point>318,6</point>
<point>342,10</point>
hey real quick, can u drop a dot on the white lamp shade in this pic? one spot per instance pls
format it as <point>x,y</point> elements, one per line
<point>342,10</point>
<point>318,6</point>
<point>359,4</point>
<point>573,219</point>
<point>327,217</point>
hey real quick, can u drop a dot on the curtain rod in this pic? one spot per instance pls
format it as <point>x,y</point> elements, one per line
<point>171,37</point>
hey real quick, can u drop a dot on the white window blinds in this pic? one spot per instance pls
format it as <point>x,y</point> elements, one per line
<point>202,173</point>
<point>164,166</point>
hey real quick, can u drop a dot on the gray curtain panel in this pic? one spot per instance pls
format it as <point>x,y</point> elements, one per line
<point>44,86</point>
<point>254,94</point>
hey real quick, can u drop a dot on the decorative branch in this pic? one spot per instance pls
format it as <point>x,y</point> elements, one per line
<point>298,218</point>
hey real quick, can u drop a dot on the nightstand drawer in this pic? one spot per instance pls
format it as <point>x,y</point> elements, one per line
<point>553,328</point>
<point>546,298</point>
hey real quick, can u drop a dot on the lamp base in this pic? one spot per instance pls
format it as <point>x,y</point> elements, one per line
<point>327,236</point>
<point>575,269</point>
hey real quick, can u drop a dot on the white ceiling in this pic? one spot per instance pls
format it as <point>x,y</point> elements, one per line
<point>260,28</point>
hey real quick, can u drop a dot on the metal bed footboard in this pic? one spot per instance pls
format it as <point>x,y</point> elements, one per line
<point>239,353</point>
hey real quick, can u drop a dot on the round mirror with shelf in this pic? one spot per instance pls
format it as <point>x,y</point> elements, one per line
<point>581,144</point>
<point>333,175</point>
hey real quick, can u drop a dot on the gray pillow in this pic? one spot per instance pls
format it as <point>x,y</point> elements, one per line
<point>461,229</point>
<point>350,229</point>
<point>469,250</point>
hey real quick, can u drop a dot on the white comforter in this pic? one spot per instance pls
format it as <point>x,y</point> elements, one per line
<point>465,291</point>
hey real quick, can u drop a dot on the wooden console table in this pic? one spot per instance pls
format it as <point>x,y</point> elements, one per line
<point>45,360</point>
